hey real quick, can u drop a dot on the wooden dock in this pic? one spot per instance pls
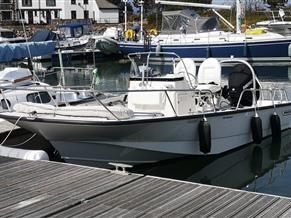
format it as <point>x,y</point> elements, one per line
<point>42,189</point>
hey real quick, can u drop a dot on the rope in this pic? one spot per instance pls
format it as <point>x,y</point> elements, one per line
<point>22,143</point>
<point>11,131</point>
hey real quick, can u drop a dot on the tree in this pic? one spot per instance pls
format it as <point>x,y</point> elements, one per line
<point>253,5</point>
<point>274,3</point>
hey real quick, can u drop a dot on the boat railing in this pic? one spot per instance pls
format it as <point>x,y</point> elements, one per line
<point>204,99</point>
<point>175,58</point>
<point>272,92</point>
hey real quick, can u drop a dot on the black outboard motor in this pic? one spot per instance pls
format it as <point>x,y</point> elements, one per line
<point>241,78</point>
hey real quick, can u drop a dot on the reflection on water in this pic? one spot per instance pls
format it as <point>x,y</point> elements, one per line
<point>112,76</point>
<point>262,168</point>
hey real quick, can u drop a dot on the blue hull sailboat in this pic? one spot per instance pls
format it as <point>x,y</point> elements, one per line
<point>189,35</point>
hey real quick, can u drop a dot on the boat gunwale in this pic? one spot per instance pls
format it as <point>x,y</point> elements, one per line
<point>250,42</point>
<point>140,121</point>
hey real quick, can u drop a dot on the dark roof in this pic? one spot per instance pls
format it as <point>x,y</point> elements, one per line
<point>103,4</point>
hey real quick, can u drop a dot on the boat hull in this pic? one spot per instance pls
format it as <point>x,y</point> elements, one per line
<point>275,50</point>
<point>149,140</point>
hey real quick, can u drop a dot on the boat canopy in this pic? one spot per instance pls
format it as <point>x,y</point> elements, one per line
<point>187,21</point>
<point>18,51</point>
<point>74,29</point>
<point>43,35</point>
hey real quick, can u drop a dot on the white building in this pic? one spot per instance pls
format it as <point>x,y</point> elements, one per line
<point>43,11</point>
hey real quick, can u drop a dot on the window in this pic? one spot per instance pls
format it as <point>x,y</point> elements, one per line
<point>73,2</point>
<point>56,14</point>
<point>86,14</point>
<point>7,34</point>
<point>5,104</point>
<point>85,2</point>
<point>73,15</point>
<point>22,15</point>
<point>6,15</point>
<point>6,1</point>
<point>38,97</point>
<point>50,2</point>
<point>26,3</point>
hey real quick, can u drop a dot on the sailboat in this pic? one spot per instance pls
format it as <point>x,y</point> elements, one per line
<point>177,36</point>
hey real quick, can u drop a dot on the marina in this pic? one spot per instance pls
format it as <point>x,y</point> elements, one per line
<point>50,189</point>
<point>148,108</point>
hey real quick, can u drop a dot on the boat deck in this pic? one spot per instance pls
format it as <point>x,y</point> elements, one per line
<point>41,189</point>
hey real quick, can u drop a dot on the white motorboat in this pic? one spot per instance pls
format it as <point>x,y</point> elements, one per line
<point>280,26</point>
<point>106,42</point>
<point>19,85</point>
<point>169,112</point>
<point>8,36</point>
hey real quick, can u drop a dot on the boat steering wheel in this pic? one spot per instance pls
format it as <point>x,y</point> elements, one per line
<point>191,79</point>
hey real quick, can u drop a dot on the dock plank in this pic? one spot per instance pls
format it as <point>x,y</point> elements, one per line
<point>277,209</point>
<point>217,204</point>
<point>51,189</point>
<point>261,204</point>
<point>159,201</point>
<point>195,204</point>
<point>286,213</point>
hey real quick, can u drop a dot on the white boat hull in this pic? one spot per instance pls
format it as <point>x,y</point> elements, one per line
<point>147,140</point>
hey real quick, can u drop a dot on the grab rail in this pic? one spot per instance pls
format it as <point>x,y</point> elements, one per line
<point>272,94</point>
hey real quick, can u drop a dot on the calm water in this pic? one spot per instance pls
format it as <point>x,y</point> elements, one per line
<point>262,168</point>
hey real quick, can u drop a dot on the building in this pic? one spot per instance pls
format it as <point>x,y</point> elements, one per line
<point>7,10</point>
<point>39,11</point>
<point>43,11</point>
<point>100,11</point>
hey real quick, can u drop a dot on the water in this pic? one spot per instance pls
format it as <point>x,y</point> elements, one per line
<point>264,168</point>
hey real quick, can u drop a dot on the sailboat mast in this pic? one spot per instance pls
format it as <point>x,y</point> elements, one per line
<point>125,15</point>
<point>238,16</point>
<point>141,19</point>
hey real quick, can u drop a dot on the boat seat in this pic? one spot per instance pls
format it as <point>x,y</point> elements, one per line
<point>209,76</point>
<point>184,66</point>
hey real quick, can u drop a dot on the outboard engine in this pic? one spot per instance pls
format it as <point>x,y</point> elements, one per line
<point>241,78</point>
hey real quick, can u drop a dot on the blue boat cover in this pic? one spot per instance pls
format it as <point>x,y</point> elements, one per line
<point>18,51</point>
<point>43,35</point>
